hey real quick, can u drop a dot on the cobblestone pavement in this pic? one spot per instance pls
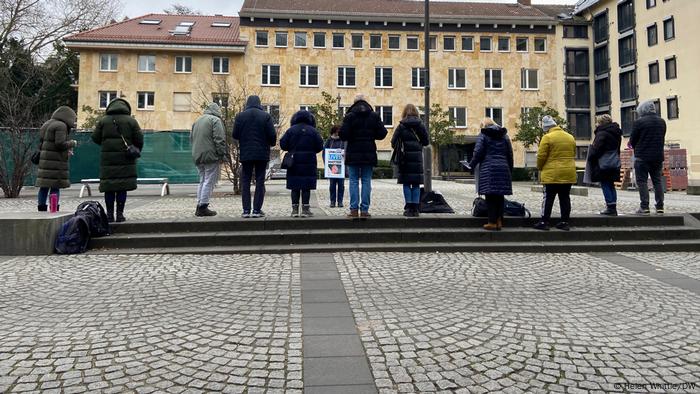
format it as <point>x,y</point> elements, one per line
<point>684,263</point>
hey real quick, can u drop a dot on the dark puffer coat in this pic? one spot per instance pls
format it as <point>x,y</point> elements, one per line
<point>495,154</point>
<point>54,164</point>
<point>412,133</point>
<point>648,134</point>
<point>255,130</point>
<point>361,127</point>
<point>305,142</point>
<point>608,137</point>
<point>117,171</point>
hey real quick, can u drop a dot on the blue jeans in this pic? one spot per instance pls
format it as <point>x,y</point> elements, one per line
<point>44,194</point>
<point>356,173</point>
<point>337,189</point>
<point>411,193</point>
<point>609,192</point>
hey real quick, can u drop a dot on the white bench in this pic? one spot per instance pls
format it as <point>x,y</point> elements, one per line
<point>164,190</point>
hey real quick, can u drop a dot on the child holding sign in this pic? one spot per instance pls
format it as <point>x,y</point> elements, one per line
<point>334,164</point>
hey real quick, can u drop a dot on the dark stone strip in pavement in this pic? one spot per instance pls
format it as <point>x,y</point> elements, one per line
<point>333,356</point>
<point>661,274</point>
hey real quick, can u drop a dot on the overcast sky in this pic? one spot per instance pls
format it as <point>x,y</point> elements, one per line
<point>134,8</point>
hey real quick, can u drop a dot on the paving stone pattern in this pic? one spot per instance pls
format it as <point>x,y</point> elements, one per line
<point>685,263</point>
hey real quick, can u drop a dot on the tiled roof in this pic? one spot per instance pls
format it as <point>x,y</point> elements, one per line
<point>392,8</point>
<point>555,10</point>
<point>133,31</point>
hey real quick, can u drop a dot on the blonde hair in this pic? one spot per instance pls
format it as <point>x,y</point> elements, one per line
<point>360,97</point>
<point>603,119</point>
<point>409,110</point>
<point>486,122</point>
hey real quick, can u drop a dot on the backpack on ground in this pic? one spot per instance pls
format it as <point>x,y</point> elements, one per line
<point>73,237</point>
<point>514,208</point>
<point>95,216</point>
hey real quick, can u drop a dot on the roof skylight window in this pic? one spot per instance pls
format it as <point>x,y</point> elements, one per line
<point>150,22</point>
<point>221,24</point>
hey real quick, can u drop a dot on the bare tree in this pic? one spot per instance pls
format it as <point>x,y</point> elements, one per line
<point>180,9</point>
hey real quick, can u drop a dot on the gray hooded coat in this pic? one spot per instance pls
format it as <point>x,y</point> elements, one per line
<point>208,137</point>
<point>648,134</point>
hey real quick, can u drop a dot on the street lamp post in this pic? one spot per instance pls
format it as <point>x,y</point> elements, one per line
<point>427,152</point>
<point>340,115</point>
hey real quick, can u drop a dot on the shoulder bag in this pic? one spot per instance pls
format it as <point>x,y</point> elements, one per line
<point>288,159</point>
<point>132,152</point>
<point>610,160</point>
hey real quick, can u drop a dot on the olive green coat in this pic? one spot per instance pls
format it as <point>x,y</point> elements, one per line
<point>54,166</point>
<point>117,172</point>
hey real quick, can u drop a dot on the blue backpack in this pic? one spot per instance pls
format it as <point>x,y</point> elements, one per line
<point>73,237</point>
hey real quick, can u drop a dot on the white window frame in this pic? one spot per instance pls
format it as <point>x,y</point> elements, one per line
<point>381,71</point>
<point>525,78</point>
<point>527,44</point>
<point>490,44</point>
<point>304,73</point>
<point>268,108</point>
<point>319,33</point>
<point>535,44</point>
<point>380,110</point>
<point>286,39</point>
<point>452,75</point>
<point>454,43</point>
<point>453,113</point>
<point>184,64</point>
<point>461,43</point>
<point>146,107</point>
<point>491,72</point>
<point>267,38</point>
<point>219,99</point>
<point>345,76</point>
<point>220,61</point>
<point>388,42</point>
<point>381,42</point>
<point>189,108</point>
<point>112,62</point>
<point>148,63</point>
<point>306,39</point>
<point>110,95</point>
<point>333,41</point>
<point>419,70</point>
<point>498,44</point>
<point>352,41</point>
<point>410,38</point>
<point>268,67</point>
<point>489,114</point>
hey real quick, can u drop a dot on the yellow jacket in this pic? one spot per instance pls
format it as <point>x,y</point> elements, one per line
<point>555,157</point>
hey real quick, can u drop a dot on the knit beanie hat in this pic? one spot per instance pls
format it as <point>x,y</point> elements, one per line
<point>548,123</point>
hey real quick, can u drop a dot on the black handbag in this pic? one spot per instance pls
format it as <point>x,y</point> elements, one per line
<point>397,154</point>
<point>287,161</point>
<point>610,160</point>
<point>36,156</point>
<point>132,152</point>
<point>479,208</point>
<point>514,208</point>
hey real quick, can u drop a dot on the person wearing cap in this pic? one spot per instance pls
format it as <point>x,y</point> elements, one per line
<point>647,140</point>
<point>556,163</point>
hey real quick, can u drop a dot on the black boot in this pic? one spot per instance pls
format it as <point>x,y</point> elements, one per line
<point>408,210</point>
<point>110,212</point>
<point>610,210</point>
<point>203,210</point>
<point>295,210</point>
<point>120,212</point>
<point>416,210</point>
<point>306,211</point>
<point>43,208</point>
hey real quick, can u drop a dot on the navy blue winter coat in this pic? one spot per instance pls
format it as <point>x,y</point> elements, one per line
<point>255,131</point>
<point>305,142</point>
<point>412,133</point>
<point>495,154</point>
<point>361,127</point>
<point>608,137</point>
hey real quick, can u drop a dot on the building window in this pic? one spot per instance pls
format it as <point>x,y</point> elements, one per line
<point>626,50</point>
<point>580,125</point>
<point>627,120</point>
<point>493,79</point>
<point>386,113</point>
<point>529,79</point>
<point>270,74</point>
<point>602,92</point>
<point>300,39</point>
<point>338,40</point>
<point>319,40</point>
<point>503,44</point>
<point>600,27</point>
<point>433,43</point>
<point>581,152</point>
<point>417,77</point>
<point>356,41</point>
<point>219,65</point>
<point>261,38</point>
<point>221,99</point>
<point>281,39</point>
<point>628,85</point>
<point>274,111</point>
<point>458,116</point>
<point>467,43</point>
<point>651,4</point>
<point>484,44</point>
<point>412,43</point>
<point>672,107</point>
<point>657,105</point>
<point>601,61</point>
<point>671,68</point>
<point>108,62</point>
<point>182,102</point>
<point>383,77</point>
<point>183,64</point>
<point>375,41</point>
<point>448,43</point>
<point>457,78</point>
<point>346,77</point>
<point>147,63</point>
<point>578,94</point>
<point>577,62</point>
<point>575,31</point>
<point>496,114</point>
<point>654,72</point>
<point>106,97</point>
<point>146,101</point>
<point>394,42</point>
<point>652,35</point>
<point>540,45</point>
<point>669,29</point>
<point>308,76</point>
<point>521,44</point>
<point>625,15</point>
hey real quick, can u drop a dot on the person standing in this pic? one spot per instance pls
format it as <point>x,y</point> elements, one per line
<point>410,137</point>
<point>255,131</point>
<point>647,140</point>
<point>54,161</point>
<point>494,155</point>
<point>209,149</point>
<point>556,157</point>
<point>304,142</point>
<point>361,128</point>
<point>337,185</point>
<point>607,141</point>
<point>114,132</point>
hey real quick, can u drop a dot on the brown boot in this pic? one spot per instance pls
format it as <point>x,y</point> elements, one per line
<point>499,223</point>
<point>353,214</point>
<point>491,227</point>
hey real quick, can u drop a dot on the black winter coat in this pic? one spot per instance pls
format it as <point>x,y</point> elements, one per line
<point>305,142</point>
<point>607,138</point>
<point>495,154</point>
<point>647,139</point>
<point>54,163</point>
<point>117,171</point>
<point>361,127</point>
<point>255,131</point>
<point>412,133</point>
